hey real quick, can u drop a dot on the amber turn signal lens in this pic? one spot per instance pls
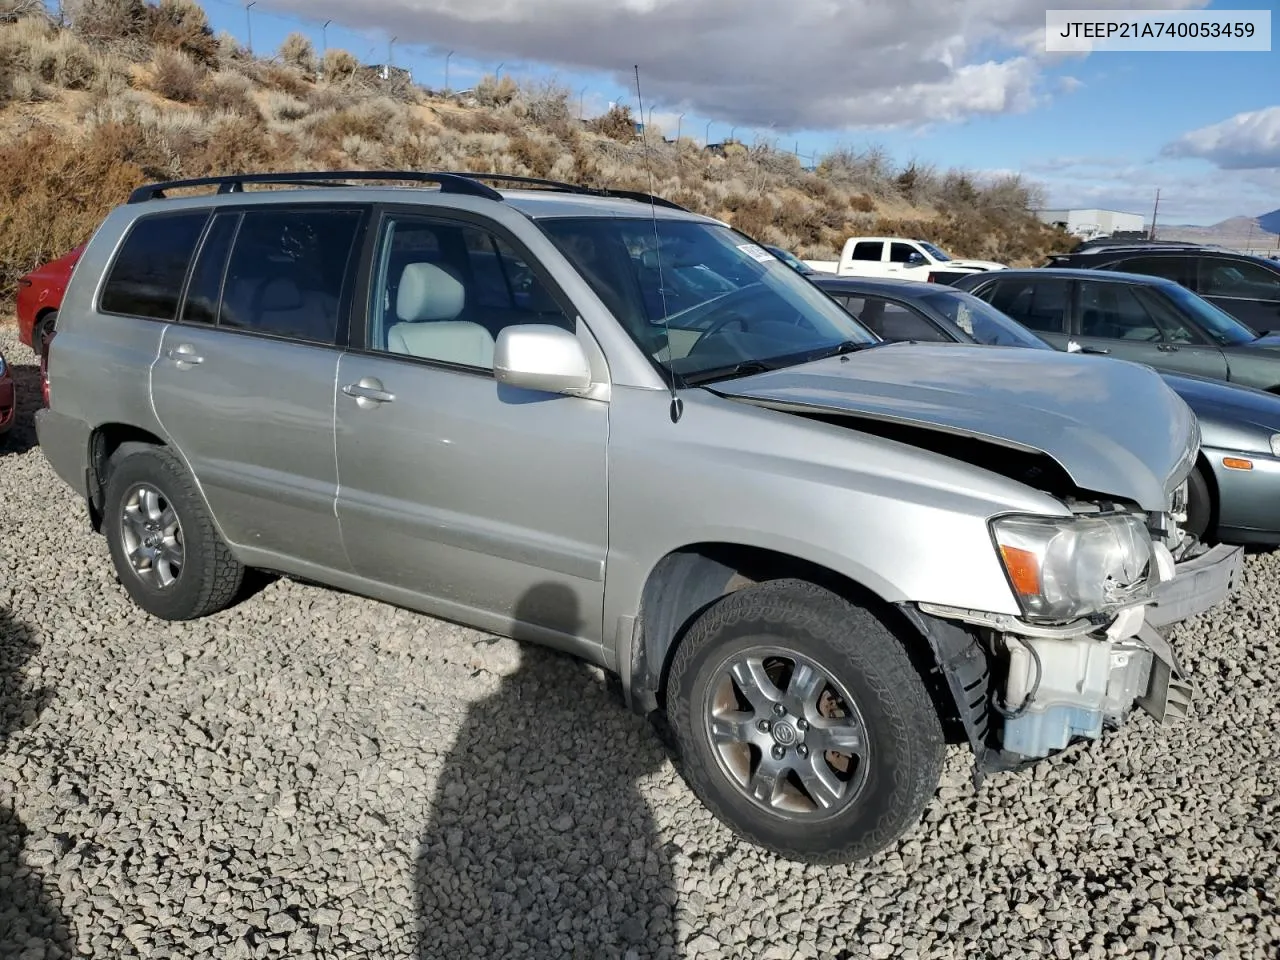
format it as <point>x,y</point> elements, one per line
<point>1024,570</point>
<point>1235,463</point>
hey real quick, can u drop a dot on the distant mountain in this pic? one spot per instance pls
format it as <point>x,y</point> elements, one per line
<point>1235,232</point>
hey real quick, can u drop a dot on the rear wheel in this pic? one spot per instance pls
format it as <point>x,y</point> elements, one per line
<point>167,553</point>
<point>802,723</point>
<point>43,329</point>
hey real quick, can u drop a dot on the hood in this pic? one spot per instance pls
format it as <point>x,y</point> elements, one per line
<point>973,265</point>
<point>1116,428</point>
<point>1234,402</point>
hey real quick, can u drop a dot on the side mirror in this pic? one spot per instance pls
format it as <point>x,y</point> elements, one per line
<point>1073,347</point>
<point>916,260</point>
<point>538,356</point>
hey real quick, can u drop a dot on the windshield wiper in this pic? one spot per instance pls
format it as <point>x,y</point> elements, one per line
<point>844,348</point>
<point>743,369</point>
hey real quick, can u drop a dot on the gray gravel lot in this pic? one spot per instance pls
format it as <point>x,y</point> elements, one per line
<point>316,775</point>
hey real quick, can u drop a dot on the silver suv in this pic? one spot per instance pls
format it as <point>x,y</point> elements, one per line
<point>598,421</point>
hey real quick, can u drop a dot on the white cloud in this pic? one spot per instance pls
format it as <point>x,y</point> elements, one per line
<point>1247,141</point>
<point>815,64</point>
<point>1068,84</point>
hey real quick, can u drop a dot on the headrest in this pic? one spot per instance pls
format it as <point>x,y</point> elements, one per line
<point>649,259</point>
<point>429,292</point>
<point>281,293</point>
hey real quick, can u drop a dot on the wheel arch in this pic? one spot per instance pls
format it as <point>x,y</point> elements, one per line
<point>104,441</point>
<point>690,579</point>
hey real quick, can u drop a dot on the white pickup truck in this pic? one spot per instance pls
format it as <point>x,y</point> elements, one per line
<point>903,259</point>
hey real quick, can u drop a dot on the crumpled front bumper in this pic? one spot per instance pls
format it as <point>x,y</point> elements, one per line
<point>1199,585</point>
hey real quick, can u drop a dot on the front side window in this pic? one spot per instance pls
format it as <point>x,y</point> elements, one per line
<point>286,273</point>
<point>1222,327</point>
<point>1118,311</point>
<point>1238,279</point>
<point>701,300</point>
<point>147,276</point>
<point>1038,304</point>
<point>445,290</point>
<point>902,253</point>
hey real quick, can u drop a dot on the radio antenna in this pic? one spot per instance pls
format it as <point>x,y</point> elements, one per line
<point>677,404</point>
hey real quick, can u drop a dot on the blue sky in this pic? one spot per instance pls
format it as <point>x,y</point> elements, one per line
<point>972,88</point>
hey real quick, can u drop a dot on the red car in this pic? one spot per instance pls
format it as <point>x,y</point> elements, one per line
<point>40,295</point>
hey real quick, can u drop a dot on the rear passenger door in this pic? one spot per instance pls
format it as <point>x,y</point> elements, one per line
<point>244,381</point>
<point>460,495</point>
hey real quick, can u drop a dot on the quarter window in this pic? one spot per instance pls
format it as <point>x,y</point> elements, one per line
<point>444,291</point>
<point>147,276</point>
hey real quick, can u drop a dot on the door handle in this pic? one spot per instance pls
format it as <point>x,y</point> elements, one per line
<point>1167,348</point>
<point>185,354</point>
<point>368,392</point>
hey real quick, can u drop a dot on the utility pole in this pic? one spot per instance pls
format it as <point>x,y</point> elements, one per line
<point>1154,214</point>
<point>324,38</point>
<point>391,48</point>
<point>448,57</point>
<point>248,16</point>
<point>582,104</point>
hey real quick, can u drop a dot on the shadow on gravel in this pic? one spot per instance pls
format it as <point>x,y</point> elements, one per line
<point>22,435</point>
<point>31,921</point>
<point>540,843</point>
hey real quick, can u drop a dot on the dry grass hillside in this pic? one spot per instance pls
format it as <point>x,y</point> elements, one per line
<point>133,91</point>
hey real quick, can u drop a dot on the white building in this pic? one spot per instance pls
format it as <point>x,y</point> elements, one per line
<point>1094,223</point>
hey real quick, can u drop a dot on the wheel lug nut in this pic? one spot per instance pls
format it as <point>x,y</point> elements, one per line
<point>779,753</point>
<point>802,724</point>
<point>765,726</point>
<point>779,710</point>
<point>802,750</point>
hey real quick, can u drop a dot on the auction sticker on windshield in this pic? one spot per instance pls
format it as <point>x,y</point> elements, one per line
<point>757,253</point>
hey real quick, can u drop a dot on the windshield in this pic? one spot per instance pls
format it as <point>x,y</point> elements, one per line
<point>982,321</point>
<point>790,259</point>
<point>701,300</point>
<point>934,252</point>
<point>1220,325</point>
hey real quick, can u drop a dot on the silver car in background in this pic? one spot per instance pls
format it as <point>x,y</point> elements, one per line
<point>604,423</point>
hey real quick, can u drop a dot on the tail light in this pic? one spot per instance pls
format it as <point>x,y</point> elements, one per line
<point>932,279</point>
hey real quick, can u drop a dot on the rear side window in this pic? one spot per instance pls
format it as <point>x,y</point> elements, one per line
<point>1238,279</point>
<point>286,273</point>
<point>1038,304</point>
<point>867,251</point>
<point>147,275</point>
<point>1178,269</point>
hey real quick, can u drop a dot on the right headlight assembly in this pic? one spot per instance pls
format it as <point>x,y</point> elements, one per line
<point>1062,568</point>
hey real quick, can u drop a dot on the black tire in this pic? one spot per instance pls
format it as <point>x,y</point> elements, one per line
<point>857,651</point>
<point>210,576</point>
<point>44,325</point>
<point>1199,506</point>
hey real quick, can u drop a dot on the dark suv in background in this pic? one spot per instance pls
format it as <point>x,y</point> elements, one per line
<point>1247,287</point>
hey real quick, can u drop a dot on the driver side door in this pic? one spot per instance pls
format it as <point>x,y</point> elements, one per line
<point>906,262</point>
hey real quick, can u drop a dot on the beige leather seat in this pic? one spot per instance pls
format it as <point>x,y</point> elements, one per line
<point>430,299</point>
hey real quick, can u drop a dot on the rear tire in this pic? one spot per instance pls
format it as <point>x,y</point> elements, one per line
<point>1200,506</point>
<point>44,326</point>
<point>166,550</point>
<point>831,785</point>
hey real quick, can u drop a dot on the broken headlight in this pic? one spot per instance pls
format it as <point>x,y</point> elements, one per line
<point>1062,568</point>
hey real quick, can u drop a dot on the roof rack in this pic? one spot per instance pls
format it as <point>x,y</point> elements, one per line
<point>459,182</point>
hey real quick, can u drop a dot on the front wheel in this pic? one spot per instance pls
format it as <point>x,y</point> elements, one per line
<point>167,553</point>
<point>802,723</point>
<point>1199,506</point>
<point>43,330</point>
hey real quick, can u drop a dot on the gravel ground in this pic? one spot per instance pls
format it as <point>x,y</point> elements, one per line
<point>317,775</point>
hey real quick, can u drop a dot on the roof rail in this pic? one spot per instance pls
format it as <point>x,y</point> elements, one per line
<point>558,185</point>
<point>234,183</point>
<point>461,182</point>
